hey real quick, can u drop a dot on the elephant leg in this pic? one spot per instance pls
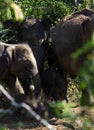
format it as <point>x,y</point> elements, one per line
<point>19,86</point>
<point>37,84</point>
<point>10,81</point>
<point>26,85</point>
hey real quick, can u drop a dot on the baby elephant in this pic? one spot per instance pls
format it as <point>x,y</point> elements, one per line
<point>54,84</point>
<point>17,61</point>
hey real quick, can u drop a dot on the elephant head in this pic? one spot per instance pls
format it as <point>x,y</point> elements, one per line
<point>69,35</point>
<point>34,32</point>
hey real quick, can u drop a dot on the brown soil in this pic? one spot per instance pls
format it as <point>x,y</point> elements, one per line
<point>84,121</point>
<point>83,117</point>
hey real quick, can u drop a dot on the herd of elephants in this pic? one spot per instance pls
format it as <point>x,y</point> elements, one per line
<point>39,55</point>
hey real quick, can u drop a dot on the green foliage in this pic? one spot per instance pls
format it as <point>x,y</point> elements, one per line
<point>84,4</point>
<point>55,10</point>
<point>64,110</point>
<point>4,9</point>
<point>10,10</point>
<point>87,124</point>
<point>2,128</point>
<point>49,10</point>
<point>4,37</point>
<point>86,73</point>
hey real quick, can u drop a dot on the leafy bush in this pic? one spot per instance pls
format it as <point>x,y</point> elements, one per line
<point>49,10</point>
<point>10,10</point>
<point>86,74</point>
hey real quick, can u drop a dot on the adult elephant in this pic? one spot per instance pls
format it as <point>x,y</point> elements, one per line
<point>18,61</point>
<point>35,32</point>
<point>69,35</point>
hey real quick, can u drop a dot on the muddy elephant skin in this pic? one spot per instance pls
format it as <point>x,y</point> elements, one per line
<point>69,35</point>
<point>54,84</point>
<point>19,61</point>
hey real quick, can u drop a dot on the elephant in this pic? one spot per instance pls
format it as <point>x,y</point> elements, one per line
<point>54,84</point>
<point>33,31</point>
<point>69,35</point>
<point>18,61</point>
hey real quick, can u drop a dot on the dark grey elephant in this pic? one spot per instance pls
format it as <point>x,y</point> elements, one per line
<point>54,84</point>
<point>35,32</point>
<point>69,35</point>
<point>18,61</point>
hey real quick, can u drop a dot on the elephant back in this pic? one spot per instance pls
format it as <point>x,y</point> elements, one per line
<point>32,30</point>
<point>85,11</point>
<point>67,37</point>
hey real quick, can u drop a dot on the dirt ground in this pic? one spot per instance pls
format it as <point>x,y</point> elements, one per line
<point>75,117</point>
<point>84,120</point>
